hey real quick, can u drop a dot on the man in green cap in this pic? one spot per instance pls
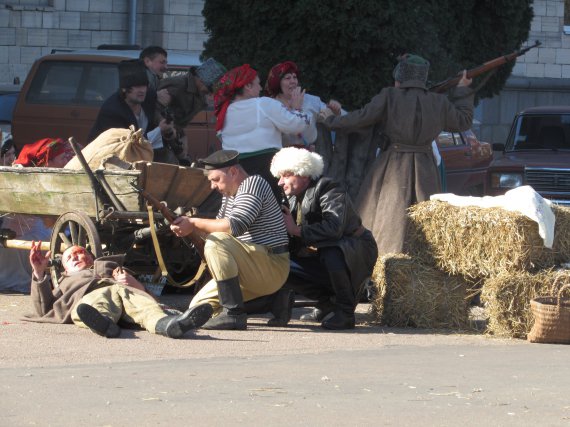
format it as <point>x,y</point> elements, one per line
<point>246,247</point>
<point>406,173</point>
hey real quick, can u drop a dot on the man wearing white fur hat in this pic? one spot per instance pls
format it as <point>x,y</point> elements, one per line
<point>332,254</point>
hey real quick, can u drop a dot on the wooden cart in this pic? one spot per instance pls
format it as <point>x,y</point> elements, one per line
<point>111,217</point>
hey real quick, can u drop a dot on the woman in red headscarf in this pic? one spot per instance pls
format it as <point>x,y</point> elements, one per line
<point>282,81</point>
<point>47,153</point>
<point>253,125</point>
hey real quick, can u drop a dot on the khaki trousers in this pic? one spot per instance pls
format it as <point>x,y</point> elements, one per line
<point>118,302</point>
<point>260,272</point>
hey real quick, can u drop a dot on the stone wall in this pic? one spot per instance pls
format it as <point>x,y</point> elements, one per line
<point>32,28</point>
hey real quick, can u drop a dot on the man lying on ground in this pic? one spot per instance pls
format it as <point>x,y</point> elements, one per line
<point>97,293</point>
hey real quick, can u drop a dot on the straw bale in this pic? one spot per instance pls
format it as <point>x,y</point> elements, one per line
<point>413,294</point>
<point>477,243</point>
<point>507,299</point>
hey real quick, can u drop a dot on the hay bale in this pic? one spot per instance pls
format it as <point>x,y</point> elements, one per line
<point>413,294</point>
<point>507,299</point>
<point>477,243</point>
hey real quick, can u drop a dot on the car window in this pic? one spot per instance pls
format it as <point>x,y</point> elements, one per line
<point>81,83</point>
<point>534,132</point>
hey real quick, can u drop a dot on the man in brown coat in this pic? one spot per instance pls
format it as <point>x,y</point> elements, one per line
<point>406,172</point>
<point>98,293</point>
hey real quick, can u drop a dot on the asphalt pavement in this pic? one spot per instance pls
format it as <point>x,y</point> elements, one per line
<point>61,375</point>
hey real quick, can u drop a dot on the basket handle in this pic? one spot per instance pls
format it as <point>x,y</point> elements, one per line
<point>566,286</point>
<point>559,276</point>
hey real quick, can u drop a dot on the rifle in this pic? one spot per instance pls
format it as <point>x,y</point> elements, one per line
<point>480,69</point>
<point>194,238</point>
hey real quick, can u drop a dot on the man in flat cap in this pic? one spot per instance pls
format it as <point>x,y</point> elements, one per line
<point>133,105</point>
<point>332,254</point>
<point>246,247</point>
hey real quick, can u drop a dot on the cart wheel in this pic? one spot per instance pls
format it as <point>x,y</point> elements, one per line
<point>72,228</point>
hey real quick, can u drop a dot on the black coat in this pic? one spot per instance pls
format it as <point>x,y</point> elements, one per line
<point>115,113</point>
<point>328,218</point>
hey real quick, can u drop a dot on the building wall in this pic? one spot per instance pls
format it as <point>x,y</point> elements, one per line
<point>32,28</point>
<point>540,77</point>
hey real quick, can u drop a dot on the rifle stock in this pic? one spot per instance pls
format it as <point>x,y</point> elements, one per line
<point>195,238</point>
<point>480,69</point>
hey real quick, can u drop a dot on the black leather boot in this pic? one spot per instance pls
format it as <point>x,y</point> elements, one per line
<point>282,307</point>
<point>177,326</point>
<point>344,300</point>
<point>233,315</point>
<point>98,323</point>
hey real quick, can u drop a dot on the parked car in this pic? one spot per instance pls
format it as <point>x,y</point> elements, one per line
<point>63,92</point>
<point>466,160</point>
<point>536,153</point>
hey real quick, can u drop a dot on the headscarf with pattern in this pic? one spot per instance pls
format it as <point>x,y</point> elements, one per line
<point>226,89</point>
<point>40,152</point>
<point>273,83</point>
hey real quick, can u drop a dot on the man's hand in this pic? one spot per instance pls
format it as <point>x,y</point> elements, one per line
<point>292,228</point>
<point>464,80</point>
<point>335,107</point>
<point>182,226</point>
<point>163,97</point>
<point>38,261</point>
<point>124,278</point>
<point>324,114</point>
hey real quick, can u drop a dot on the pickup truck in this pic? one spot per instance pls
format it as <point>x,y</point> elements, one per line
<point>63,92</point>
<point>536,153</point>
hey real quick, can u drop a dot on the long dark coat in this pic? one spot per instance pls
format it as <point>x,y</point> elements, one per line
<point>405,173</point>
<point>328,218</point>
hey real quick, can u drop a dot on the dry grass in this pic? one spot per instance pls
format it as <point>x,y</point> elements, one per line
<point>507,299</point>
<point>479,243</point>
<point>413,294</point>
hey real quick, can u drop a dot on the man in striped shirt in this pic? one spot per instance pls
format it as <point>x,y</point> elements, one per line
<point>246,247</point>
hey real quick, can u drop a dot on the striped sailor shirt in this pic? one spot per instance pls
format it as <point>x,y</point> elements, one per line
<point>254,214</point>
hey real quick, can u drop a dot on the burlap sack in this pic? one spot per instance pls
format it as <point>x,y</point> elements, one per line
<point>126,144</point>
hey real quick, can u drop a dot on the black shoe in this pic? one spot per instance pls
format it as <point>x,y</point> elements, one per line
<point>317,315</point>
<point>282,308</point>
<point>177,326</point>
<point>98,323</point>
<point>227,322</point>
<point>339,321</point>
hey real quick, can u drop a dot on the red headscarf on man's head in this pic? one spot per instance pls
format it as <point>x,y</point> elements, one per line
<point>273,83</point>
<point>40,152</point>
<point>226,88</point>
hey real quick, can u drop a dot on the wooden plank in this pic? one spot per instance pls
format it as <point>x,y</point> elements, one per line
<point>189,188</point>
<point>50,191</point>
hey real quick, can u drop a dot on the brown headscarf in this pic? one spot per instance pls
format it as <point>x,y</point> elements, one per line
<point>227,86</point>
<point>273,83</point>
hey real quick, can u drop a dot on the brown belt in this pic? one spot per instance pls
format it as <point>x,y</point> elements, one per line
<point>406,148</point>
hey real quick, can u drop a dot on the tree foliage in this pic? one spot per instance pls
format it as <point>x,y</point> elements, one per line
<point>347,49</point>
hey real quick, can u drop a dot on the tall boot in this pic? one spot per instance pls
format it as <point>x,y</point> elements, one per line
<point>233,315</point>
<point>344,300</point>
<point>177,326</point>
<point>280,304</point>
<point>97,322</point>
<point>321,310</point>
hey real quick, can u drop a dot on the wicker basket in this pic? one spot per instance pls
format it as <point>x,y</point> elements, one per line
<point>551,317</point>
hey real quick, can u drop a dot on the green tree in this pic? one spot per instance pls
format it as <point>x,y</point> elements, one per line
<point>346,49</point>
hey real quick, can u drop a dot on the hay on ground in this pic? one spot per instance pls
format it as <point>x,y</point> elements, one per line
<point>413,294</point>
<point>507,299</point>
<point>477,243</point>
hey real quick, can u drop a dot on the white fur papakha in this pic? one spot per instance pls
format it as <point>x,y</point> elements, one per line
<point>297,161</point>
